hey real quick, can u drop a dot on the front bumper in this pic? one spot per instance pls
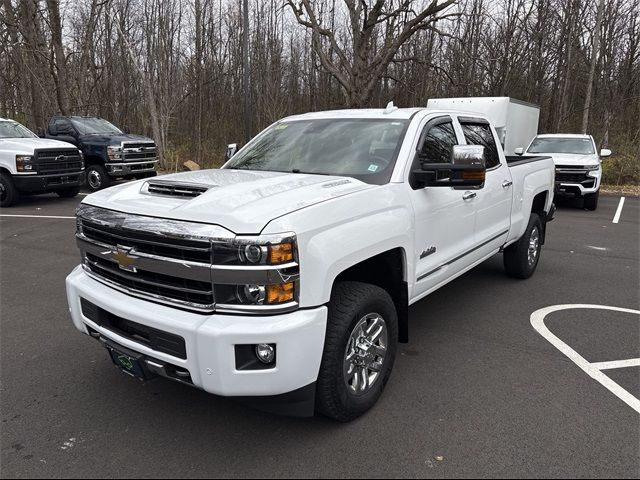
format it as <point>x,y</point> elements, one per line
<point>123,169</point>
<point>583,184</point>
<point>47,183</point>
<point>210,340</point>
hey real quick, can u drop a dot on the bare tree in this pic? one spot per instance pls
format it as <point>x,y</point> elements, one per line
<point>361,61</point>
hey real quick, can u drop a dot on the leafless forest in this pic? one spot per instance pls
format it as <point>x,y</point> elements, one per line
<point>173,69</point>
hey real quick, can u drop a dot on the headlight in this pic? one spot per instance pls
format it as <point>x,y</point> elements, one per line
<point>114,152</point>
<point>248,252</point>
<point>590,168</point>
<point>255,273</point>
<point>23,163</point>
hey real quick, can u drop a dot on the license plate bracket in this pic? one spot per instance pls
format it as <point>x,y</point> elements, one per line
<point>128,361</point>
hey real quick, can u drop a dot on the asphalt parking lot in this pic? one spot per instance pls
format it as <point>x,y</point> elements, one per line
<point>477,392</point>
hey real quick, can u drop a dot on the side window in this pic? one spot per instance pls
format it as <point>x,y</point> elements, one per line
<point>438,143</point>
<point>64,127</point>
<point>480,134</point>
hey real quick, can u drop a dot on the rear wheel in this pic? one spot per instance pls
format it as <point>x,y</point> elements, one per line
<point>359,350</point>
<point>9,194</point>
<point>591,200</point>
<point>97,178</point>
<point>68,192</point>
<point>521,258</point>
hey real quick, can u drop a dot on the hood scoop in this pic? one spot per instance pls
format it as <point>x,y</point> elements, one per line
<point>175,189</point>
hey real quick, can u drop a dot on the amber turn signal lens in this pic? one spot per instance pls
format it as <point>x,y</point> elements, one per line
<point>473,175</point>
<point>280,293</point>
<point>281,253</point>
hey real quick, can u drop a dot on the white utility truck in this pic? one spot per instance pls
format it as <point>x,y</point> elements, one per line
<point>29,164</point>
<point>578,165</point>
<point>285,277</point>
<point>515,121</point>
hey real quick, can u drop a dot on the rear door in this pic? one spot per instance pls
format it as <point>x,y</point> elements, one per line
<point>493,202</point>
<point>444,220</point>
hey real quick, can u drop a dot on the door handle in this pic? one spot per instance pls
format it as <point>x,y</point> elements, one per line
<point>469,195</point>
<point>507,184</point>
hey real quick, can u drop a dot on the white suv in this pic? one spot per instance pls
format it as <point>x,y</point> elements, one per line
<point>578,166</point>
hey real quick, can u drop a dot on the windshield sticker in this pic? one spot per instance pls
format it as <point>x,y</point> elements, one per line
<point>282,126</point>
<point>373,168</point>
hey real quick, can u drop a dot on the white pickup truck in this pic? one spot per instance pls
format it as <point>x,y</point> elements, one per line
<point>578,166</point>
<point>29,164</point>
<point>285,276</point>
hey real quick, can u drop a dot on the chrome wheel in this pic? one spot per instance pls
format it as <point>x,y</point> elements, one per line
<point>94,179</point>
<point>365,353</point>
<point>534,246</point>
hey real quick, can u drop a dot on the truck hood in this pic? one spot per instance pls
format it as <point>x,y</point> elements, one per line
<point>573,159</point>
<point>26,146</point>
<point>113,139</point>
<point>242,201</point>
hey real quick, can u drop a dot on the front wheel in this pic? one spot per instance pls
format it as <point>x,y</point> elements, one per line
<point>521,258</point>
<point>97,178</point>
<point>359,351</point>
<point>591,200</point>
<point>8,192</point>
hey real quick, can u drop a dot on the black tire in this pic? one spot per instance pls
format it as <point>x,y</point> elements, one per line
<point>591,200</point>
<point>517,260</point>
<point>9,194</point>
<point>68,192</point>
<point>97,177</point>
<point>351,303</point>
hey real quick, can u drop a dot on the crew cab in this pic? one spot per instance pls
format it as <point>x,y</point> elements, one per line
<point>109,152</point>
<point>30,165</point>
<point>285,276</point>
<point>578,166</point>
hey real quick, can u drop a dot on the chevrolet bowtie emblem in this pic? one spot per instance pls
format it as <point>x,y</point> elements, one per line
<point>124,258</point>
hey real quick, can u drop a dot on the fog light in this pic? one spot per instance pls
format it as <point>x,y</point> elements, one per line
<point>266,353</point>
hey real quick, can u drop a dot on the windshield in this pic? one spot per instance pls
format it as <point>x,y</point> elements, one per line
<point>15,130</point>
<point>89,126</point>
<point>581,146</point>
<point>362,148</point>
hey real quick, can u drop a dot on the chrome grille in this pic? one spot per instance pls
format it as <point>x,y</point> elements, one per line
<point>57,161</point>
<point>159,187</point>
<point>164,260</point>
<point>138,151</point>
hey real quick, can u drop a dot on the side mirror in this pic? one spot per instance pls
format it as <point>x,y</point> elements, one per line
<point>231,150</point>
<point>605,152</point>
<point>467,169</point>
<point>519,151</point>
<point>53,130</point>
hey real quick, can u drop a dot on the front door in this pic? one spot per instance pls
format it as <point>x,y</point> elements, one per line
<point>444,219</point>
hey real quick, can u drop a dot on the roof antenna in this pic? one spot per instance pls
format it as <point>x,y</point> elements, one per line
<point>390,108</point>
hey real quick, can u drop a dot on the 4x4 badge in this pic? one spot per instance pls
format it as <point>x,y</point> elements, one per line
<point>429,251</point>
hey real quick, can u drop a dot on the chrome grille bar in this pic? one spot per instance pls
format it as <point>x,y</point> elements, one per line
<point>165,260</point>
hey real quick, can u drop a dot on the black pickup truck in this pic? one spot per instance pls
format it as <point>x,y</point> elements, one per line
<point>109,153</point>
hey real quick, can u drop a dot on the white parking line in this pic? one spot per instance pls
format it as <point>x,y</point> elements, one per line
<point>632,362</point>
<point>594,370</point>
<point>35,216</point>
<point>616,217</point>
